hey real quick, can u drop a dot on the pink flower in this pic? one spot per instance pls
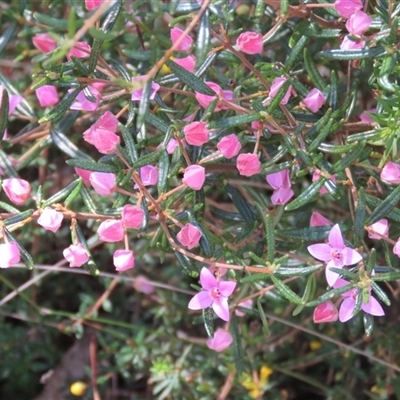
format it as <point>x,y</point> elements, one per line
<point>214,294</point>
<point>17,190</point>
<point>391,173</point>
<point>319,220</point>
<point>84,174</point>
<point>187,42</point>
<point>9,254</point>
<point>349,303</point>
<point>188,62</point>
<point>44,42</point>
<point>245,304</point>
<point>76,255</point>
<point>345,8</point>
<point>104,183</point>
<point>325,312</point>
<point>111,230</point>
<point>189,236</point>
<point>84,104</point>
<point>92,4</point>
<point>47,95</point>
<point>205,100</point>
<point>80,50</point>
<point>358,23</point>
<point>248,164</point>
<point>317,175</point>
<point>276,85</point>
<point>229,146</point>
<point>334,253</point>
<point>379,229</point>
<point>349,44</point>
<point>148,176</point>
<point>364,117</point>
<point>105,141</point>
<point>171,146</point>
<point>132,216</point>
<point>50,219</point>
<point>314,100</point>
<point>143,285</point>
<point>250,42</point>
<point>221,340</point>
<point>194,177</point>
<point>137,93</point>
<point>13,100</point>
<point>280,182</point>
<point>396,248</point>
<point>196,133</point>
<point>123,260</point>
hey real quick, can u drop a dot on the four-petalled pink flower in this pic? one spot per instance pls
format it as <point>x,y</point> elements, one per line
<point>280,182</point>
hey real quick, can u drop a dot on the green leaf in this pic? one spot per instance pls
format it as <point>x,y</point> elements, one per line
<point>316,233</point>
<point>63,193</point>
<point>144,105</point>
<point>307,195</point>
<point>7,35</point>
<point>313,71</point>
<point>349,158</point>
<point>87,199</point>
<point>297,271</point>
<point>294,54</point>
<point>237,120</point>
<point>349,55</point>
<point>74,194</point>
<point>380,293</point>
<point>237,346</point>
<point>359,218</point>
<point>263,318</point>
<point>21,216</point>
<point>208,320</point>
<point>255,278</point>
<point>92,165</point>
<point>309,291</point>
<point>4,101</point>
<point>286,291</point>
<point>157,122</point>
<point>240,203</point>
<point>25,256</point>
<point>385,207</point>
<point>330,295</point>
<point>373,201</point>
<point>203,38</point>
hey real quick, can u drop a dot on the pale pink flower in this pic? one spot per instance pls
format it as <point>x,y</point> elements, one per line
<point>9,254</point>
<point>187,42</point>
<point>172,145</point>
<point>248,164</point>
<point>123,260</point>
<point>13,100</point>
<point>188,62</point>
<point>194,177</point>
<point>205,100</point>
<point>111,230</point>
<point>17,190</point>
<point>346,8</point>
<point>325,312</point>
<point>348,305</point>
<point>276,85</point>
<point>319,220</point>
<point>84,174</point>
<point>189,236</point>
<point>317,175</point>
<point>220,341</point>
<point>245,304</point>
<point>250,42</point>
<point>334,253</point>
<point>105,141</point>
<point>391,173</point>
<point>314,100</point>
<point>81,103</point>
<point>76,255</point>
<point>364,117</point>
<point>214,294</point>
<point>280,182</point>
<point>47,95</point>
<point>358,23</point>
<point>148,176</point>
<point>44,42</point>
<point>92,4</point>
<point>229,146</point>
<point>396,248</point>
<point>107,122</point>
<point>143,284</point>
<point>132,216</point>
<point>196,133</point>
<point>50,219</point>
<point>349,44</point>
<point>137,93</point>
<point>80,50</point>
<point>380,229</point>
<point>104,183</point>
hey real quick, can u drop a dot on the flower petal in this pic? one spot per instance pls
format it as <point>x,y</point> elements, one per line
<point>350,256</point>
<point>346,309</point>
<point>331,277</point>
<point>200,300</point>
<point>335,238</point>
<point>226,288</point>
<point>221,308</point>
<point>321,251</point>
<point>207,279</point>
<point>373,307</point>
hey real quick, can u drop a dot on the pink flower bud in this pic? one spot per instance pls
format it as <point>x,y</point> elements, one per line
<point>123,260</point>
<point>105,141</point>
<point>13,100</point>
<point>188,63</point>
<point>44,42</point>
<point>221,340</point>
<point>17,190</point>
<point>245,304</point>
<point>80,50</point>
<point>250,42</point>
<point>104,183</point>
<point>84,174</point>
<point>248,164</point>
<point>171,146</point>
<point>9,254</point>
<point>325,312</point>
<point>364,117</point>
<point>148,176</point>
<point>196,133</point>
<point>84,104</point>
<point>111,230</point>
<point>229,146</point>
<point>187,42</point>
<point>396,248</point>
<point>349,44</point>
<point>380,229</point>
<point>143,285</point>
<point>314,100</point>
<point>107,121</point>
<point>92,4</point>
<point>132,216</point>
<point>345,8</point>
<point>358,23</point>
<point>76,255</point>
<point>205,100</point>
<point>137,93</point>
<point>50,219</point>
<point>194,177</point>
<point>319,220</point>
<point>275,87</point>
<point>47,95</point>
<point>280,182</point>
<point>189,236</point>
<point>391,173</point>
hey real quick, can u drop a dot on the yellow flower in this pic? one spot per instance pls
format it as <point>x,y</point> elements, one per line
<point>165,69</point>
<point>256,388</point>
<point>78,388</point>
<point>315,345</point>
